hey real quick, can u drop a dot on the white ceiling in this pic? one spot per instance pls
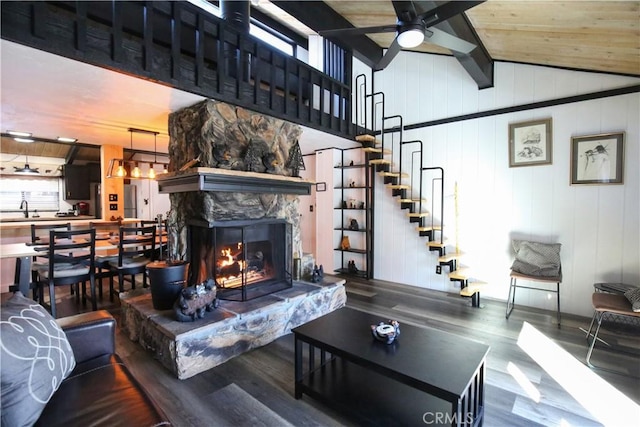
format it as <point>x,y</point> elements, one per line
<point>53,96</point>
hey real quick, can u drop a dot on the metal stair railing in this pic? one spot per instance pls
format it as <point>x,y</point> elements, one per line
<point>441,179</point>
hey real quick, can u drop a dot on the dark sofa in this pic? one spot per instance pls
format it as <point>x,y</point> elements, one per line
<point>64,372</point>
<point>100,390</point>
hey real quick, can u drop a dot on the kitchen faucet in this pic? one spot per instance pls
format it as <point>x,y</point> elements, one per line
<point>24,204</point>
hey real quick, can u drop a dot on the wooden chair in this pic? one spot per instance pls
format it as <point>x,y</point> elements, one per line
<point>610,306</point>
<point>71,261</point>
<point>40,234</point>
<point>136,249</point>
<point>161,229</point>
<point>104,229</point>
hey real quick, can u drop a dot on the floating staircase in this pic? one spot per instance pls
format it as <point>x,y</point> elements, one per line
<point>386,159</point>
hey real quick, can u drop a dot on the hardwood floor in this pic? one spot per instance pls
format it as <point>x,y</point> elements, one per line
<point>536,374</point>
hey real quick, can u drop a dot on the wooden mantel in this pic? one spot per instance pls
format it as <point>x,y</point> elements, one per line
<point>224,180</point>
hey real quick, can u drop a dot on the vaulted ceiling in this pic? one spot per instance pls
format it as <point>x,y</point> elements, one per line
<point>599,36</point>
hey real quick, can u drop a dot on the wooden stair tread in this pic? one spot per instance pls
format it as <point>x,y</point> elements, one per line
<point>417,214</point>
<point>436,244</point>
<point>472,288</point>
<point>449,257</point>
<point>412,200</point>
<point>394,174</point>
<point>379,162</point>
<point>398,186</point>
<point>365,138</point>
<point>376,150</point>
<point>461,274</point>
<point>430,228</point>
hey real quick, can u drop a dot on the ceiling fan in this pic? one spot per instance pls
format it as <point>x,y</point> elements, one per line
<point>413,28</point>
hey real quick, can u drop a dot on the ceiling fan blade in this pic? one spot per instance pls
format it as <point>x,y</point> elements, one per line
<point>446,11</point>
<point>444,39</point>
<point>405,10</point>
<point>358,31</point>
<point>389,55</point>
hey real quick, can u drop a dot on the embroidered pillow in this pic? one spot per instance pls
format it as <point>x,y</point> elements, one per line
<point>36,357</point>
<point>633,295</point>
<point>536,259</point>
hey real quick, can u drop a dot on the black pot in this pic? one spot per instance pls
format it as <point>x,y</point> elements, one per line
<point>166,280</point>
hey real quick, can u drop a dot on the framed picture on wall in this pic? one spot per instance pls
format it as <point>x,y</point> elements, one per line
<point>597,159</point>
<point>530,143</point>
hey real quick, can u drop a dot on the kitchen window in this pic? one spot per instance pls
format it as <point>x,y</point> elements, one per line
<point>41,194</point>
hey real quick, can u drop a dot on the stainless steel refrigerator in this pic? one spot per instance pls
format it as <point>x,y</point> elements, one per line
<point>130,201</point>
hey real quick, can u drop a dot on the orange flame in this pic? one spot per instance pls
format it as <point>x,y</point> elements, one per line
<point>229,260</point>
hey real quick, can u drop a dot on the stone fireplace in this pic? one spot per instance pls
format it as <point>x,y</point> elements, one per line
<point>233,181</point>
<point>246,259</point>
<point>237,223</point>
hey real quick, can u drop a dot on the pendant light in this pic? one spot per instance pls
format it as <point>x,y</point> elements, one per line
<point>152,172</point>
<point>26,170</point>
<point>121,172</point>
<point>120,168</point>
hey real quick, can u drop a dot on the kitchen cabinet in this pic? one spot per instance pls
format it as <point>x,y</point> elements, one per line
<point>76,182</point>
<point>94,172</point>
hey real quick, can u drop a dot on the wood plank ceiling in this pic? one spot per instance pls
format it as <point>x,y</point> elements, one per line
<point>599,36</point>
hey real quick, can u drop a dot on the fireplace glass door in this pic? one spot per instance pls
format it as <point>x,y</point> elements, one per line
<point>246,259</point>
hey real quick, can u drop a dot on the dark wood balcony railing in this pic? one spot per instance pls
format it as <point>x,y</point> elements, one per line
<point>178,44</point>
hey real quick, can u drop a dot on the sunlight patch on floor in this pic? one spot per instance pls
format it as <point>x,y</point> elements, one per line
<point>603,401</point>
<point>524,382</point>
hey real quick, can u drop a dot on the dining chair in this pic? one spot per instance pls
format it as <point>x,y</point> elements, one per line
<point>71,261</point>
<point>40,235</point>
<point>104,230</point>
<point>161,230</point>
<point>136,249</point>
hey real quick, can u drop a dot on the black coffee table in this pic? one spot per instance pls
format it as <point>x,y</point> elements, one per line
<point>425,377</point>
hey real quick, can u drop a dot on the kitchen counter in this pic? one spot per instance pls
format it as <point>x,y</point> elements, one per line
<point>14,228</point>
<point>52,219</point>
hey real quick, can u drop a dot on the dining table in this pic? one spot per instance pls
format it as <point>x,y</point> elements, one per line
<point>24,253</point>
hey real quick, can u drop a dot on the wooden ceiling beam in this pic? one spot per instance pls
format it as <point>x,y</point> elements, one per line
<point>478,63</point>
<point>320,17</point>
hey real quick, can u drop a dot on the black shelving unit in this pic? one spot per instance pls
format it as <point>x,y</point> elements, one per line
<point>364,234</point>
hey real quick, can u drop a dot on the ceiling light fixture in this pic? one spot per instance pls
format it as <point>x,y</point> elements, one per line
<point>120,168</point>
<point>24,140</point>
<point>65,139</point>
<point>26,170</point>
<point>19,133</point>
<point>152,172</point>
<point>411,35</point>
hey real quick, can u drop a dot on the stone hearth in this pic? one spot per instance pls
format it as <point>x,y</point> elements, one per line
<point>188,348</point>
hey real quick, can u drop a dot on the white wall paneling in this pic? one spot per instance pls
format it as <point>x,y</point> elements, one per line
<point>307,207</point>
<point>596,224</point>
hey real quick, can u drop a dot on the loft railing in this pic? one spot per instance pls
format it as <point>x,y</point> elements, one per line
<point>181,45</point>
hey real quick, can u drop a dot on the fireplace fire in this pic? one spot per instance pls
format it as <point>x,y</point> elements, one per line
<point>246,259</point>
